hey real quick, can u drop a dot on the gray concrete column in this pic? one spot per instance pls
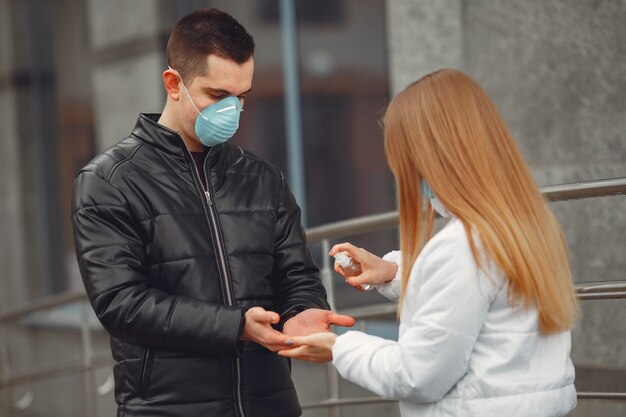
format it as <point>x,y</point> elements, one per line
<point>423,36</point>
<point>27,92</point>
<point>13,254</point>
<point>128,40</point>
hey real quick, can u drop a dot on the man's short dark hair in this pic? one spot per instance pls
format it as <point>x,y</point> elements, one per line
<point>202,33</point>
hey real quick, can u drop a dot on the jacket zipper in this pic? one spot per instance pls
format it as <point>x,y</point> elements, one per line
<point>219,244</point>
<point>144,369</point>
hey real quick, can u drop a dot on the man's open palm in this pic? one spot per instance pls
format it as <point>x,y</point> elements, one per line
<point>315,320</point>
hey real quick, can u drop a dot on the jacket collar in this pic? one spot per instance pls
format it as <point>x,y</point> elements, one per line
<point>148,130</point>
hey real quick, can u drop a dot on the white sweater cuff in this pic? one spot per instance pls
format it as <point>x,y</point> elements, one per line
<point>393,288</point>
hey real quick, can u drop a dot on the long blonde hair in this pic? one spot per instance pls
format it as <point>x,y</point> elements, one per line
<point>444,129</point>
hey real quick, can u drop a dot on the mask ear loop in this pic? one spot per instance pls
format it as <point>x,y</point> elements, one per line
<point>188,95</point>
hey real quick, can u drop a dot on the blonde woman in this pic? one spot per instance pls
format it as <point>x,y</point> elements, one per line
<point>486,305</point>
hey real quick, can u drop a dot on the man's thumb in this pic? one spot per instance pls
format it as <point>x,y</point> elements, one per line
<point>263,316</point>
<point>271,317</point>
<point>342,320</point>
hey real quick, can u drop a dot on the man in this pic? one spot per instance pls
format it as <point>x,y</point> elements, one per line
<point>191,249</point>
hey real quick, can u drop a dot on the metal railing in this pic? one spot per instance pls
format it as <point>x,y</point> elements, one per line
<point>89,362</point>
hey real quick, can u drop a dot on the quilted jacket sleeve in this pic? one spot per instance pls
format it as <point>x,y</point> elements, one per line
<point>296,276</point>
<point>111,258</point>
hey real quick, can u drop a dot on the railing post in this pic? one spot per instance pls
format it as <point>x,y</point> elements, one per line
<point>7,396</point>
<point>293,122</point>
<point>327,279</point>
<point>87,357</point>
<point>7,402</point>
<point>327,274</point>
<point>333,389</point>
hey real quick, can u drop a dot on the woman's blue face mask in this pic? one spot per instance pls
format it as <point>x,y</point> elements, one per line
<point>219,121</point>
<point>428,194</point>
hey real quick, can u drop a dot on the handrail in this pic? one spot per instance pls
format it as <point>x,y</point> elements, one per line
<point>45,303</point>
<point>372,223</point>
<point>380,400</point>
<point>587,189</point>
<point>364,224</point>
<point>600,286</point>
<point>56,370</point>
<point>601,290</point>
<point>345,401</point>
<point>584,291</point>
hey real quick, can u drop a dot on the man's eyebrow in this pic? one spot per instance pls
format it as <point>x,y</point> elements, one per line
<point>222,91</point>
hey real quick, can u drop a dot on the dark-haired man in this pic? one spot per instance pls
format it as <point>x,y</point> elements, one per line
<point>191,249</point>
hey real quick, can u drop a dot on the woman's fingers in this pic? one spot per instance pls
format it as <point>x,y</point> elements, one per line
<point>307,352</point>
<point>278,348</point>
<point>345,247</point>
<point>339,270</point>
<point>296,352</point>
<point>362,278</point>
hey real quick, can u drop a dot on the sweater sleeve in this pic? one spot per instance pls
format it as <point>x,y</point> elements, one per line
<point>111,258</point>
<point>441,322</point>
<point>392,289</point>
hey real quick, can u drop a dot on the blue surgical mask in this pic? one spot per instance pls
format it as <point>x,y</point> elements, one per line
<point>219,121</point>
<point>427,192</point>
<point>435,203</point>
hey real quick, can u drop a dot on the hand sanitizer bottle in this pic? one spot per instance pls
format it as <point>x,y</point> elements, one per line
<point>350,268</point>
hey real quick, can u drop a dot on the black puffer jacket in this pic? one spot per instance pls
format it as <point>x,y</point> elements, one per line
<point>170,270</point>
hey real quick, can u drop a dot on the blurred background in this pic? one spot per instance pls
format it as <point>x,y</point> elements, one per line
<point>74,74</point>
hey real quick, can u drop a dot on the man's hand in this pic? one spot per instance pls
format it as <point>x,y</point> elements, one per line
<point>315,320</point>
<point>258,328</point>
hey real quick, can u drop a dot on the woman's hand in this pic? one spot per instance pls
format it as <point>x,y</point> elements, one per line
<point>376,271</point>
<point>317,347</point>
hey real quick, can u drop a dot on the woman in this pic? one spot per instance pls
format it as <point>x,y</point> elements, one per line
<point>486,304</point>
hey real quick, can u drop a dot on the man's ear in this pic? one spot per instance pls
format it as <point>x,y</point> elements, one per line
<point>171,81</point>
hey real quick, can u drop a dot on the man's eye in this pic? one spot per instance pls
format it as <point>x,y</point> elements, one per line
<point>216,97</point>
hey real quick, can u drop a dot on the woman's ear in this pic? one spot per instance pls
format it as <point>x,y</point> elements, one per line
<point>172,84</point>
